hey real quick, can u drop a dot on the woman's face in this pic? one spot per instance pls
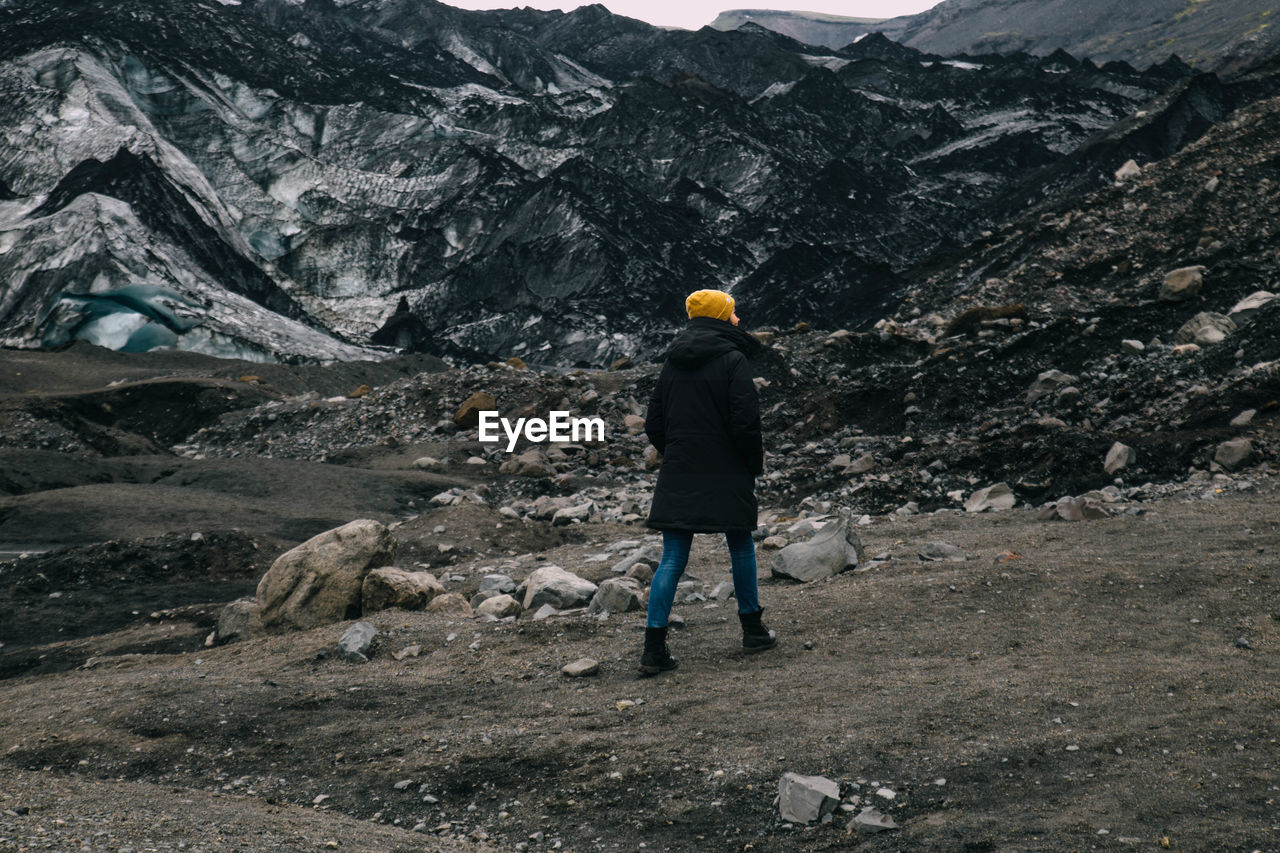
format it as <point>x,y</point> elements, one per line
<point>733,318</point>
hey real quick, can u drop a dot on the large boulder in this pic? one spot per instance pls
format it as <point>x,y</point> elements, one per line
<point>1205,329</point>
<point>833,549</point>
<point>555,586</point>
<point>389,587</point>
<point>320,581</point>
<point>1243,311</point>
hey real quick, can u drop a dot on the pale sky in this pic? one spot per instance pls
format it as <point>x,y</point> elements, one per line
<point>692,14</point>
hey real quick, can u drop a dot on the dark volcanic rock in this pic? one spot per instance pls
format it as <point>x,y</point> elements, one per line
<point>324,182</point>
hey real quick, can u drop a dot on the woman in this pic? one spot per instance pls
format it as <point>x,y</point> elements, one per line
<point>704,418</point>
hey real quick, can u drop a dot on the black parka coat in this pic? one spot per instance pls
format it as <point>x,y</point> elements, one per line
<point>704,418</point>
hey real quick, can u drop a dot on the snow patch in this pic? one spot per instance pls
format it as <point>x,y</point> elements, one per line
<point>775,90</point>
<point>460,50</point>
<point>835,63</point>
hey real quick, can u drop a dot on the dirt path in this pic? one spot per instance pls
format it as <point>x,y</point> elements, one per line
<point>1113,686</point>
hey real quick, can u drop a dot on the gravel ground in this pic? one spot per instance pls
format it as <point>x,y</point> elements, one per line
<point>1100,685</point>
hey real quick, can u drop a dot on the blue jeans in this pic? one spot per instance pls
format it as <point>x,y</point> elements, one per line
<point>675,556</point>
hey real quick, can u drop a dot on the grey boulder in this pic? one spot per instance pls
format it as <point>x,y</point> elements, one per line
<point>320,581</point>
<point>388,587</point>
<point>617,595</point>
<point>356,643</point>
<point>238,621</point>
<point>1118,457</point>
<point>1233,454</point>
<point>1205,329</point>
<point>940,552</point>
<point>805,799</point>
<point>555,586</point>
<point>833,549</point>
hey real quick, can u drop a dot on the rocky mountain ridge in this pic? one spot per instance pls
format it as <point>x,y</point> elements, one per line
<point>1222,35</point>
<point>321,182</point>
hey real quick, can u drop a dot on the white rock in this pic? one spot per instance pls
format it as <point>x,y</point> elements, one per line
<point>555,586</point>
<point>1118,457</point>
<point>995,497</point>
<point>1128,171</point>
<point>806,799</point>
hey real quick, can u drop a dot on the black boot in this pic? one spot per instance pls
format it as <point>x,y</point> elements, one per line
<point>755,636</point>
<point>656,657</point>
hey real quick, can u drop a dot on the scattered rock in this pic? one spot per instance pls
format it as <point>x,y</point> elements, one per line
<point>581,668</point>
<point>238,621</point>
<point>1073,509</point>
<point>1181,284</point>
<point>497,583</point>
<point>641,556</point>
<point>1129,171</point>
<point>835,548</point>
<point>531,463</point>
<point>451,604</point>
<point>1205,329</point>
<point>320,581</point>
<point>1243,311</point>
<point>862,465</point>
<point>468,414</point>
<point>570,514</point>
<point>499,606</point>
<point>408,652</point>
<point>1132,345</point>
<point>806,799</point>
<point>555,586</point>
<point>871,820</point>
<point>1118,457</point>
<point>941,552</point>
<point>356,644</point>
<point>1234,453</point>
<point>634,424</point>
<point>389,587</point>
<point>428,463</point>
<point>1048,382</point>
<point>1244,418</point>
<point>995,497</point>
<point>617,595</point>
<point>643,572</point>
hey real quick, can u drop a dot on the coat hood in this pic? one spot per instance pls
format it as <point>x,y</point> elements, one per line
<point>705,338</point>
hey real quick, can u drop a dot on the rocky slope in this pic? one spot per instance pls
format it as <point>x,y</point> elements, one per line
<point>1224,34</point>
<point>278,180</point>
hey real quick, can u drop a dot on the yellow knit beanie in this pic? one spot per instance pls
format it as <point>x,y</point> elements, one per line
<point>709,303</point>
